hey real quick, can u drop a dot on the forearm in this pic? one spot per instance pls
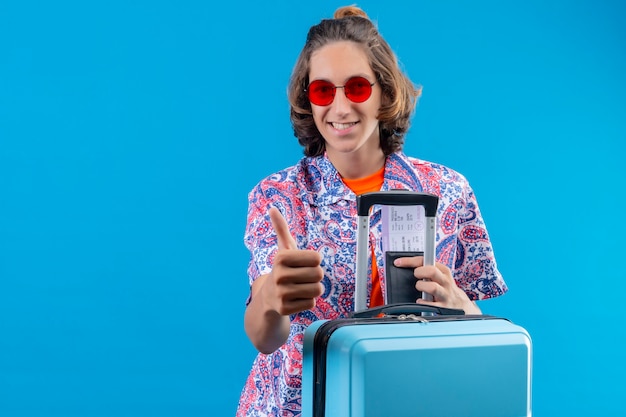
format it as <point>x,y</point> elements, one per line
<point>265,327</point>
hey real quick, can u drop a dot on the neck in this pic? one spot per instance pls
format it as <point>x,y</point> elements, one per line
<point>354,166</point>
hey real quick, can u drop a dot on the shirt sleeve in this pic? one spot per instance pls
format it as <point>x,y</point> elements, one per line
<point>259,237</point>
<point>475,268</point>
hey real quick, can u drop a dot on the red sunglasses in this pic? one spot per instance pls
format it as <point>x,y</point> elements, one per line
<point>356,89</point>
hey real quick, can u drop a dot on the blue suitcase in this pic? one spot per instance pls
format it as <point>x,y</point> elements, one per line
<point>412,360</point>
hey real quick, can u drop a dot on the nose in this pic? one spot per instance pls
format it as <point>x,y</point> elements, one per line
<point>341,104</point>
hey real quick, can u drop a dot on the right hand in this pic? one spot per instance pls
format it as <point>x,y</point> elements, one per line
<point>296,278</point>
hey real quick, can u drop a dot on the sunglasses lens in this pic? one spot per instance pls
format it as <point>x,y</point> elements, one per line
<point>358,89</point>
<point>321,93</point>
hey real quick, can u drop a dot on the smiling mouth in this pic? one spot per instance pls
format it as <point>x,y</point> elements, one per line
<point>342,126</point>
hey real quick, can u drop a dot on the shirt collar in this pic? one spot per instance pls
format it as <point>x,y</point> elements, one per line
<point>325,187</point>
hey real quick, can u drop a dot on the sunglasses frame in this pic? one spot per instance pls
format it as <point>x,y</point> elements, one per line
<point>335,87</point>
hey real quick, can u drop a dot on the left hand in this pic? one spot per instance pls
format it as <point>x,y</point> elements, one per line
<point>437,281</point>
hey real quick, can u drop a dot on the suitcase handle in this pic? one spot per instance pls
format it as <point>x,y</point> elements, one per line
<point>397,198</point>
<point>406,308</point>
<point>364,203</point>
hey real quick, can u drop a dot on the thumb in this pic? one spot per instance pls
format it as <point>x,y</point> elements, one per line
<point>285,240</point>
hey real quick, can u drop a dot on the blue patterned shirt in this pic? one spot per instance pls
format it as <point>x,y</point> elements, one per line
<point>321,212</point>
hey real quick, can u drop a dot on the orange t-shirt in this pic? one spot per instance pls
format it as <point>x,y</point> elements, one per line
<point>358,186</point>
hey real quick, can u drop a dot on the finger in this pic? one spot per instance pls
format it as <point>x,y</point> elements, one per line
<point>427,272</point>
<point>431,288</point>
<point>409,262</point>
<point>430,303</point>
<point>294,258</point>
<point>296,306</point>
<point>307,291</point>
<point>444,269</point>
<point>290,274</point>
<point>285,239</point>
<point>303,298</point>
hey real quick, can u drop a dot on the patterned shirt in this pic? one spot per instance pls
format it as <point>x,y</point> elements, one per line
<point>321,212</point>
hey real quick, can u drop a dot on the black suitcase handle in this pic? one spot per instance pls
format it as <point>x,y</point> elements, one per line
<point>406,308</point>
<point>364,203</point>
<point>397,198</point>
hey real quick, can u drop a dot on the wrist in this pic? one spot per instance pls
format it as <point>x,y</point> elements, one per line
<point>471,307</point>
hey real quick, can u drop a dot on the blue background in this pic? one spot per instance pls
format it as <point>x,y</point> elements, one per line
<point>131,132</point>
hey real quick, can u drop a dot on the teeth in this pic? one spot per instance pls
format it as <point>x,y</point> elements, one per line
<point>342,126</point>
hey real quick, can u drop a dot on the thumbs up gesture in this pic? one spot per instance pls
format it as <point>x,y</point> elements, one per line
<point>295,280</point>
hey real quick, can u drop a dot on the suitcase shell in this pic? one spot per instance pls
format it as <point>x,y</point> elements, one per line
<point>437,366</point>
<point>432,363</point>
